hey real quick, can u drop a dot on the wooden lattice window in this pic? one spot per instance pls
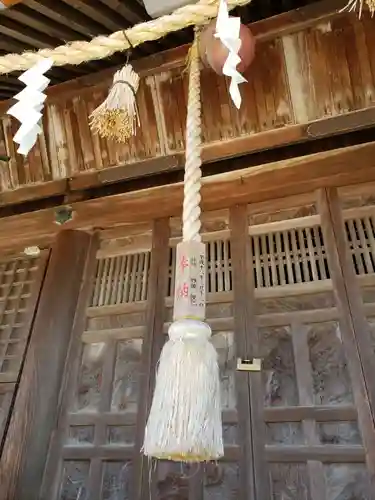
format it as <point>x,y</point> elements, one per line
<point>360,232</point>
<point>20,281</point>
<point>289,256</point>
<point>121,279</point>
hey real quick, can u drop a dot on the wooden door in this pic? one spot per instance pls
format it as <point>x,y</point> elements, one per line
<point>291,431</point>
<point>313,444</point>
<point>20,282</point>
<point>95,452</point>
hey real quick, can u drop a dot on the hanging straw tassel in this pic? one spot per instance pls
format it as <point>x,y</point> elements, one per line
<point>117,117</point>
<point>185,417</point>
<point>357,5</point>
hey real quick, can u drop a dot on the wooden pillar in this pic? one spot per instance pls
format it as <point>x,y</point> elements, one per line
<point>353,323</point>
<point>152,344</point>
<point>37,403</point>
<point>253,468</point>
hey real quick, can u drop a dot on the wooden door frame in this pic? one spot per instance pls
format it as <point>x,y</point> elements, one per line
<point>352,319</point>
<point>38,399</point>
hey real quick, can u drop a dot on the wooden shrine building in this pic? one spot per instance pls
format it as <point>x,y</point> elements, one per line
<point>289,220</point>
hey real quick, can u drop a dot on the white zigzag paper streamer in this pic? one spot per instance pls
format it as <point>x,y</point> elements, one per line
<point>28,109</point>
<point>228,31</point>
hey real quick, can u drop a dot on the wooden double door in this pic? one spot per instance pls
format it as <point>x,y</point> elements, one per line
<point>290,283</point>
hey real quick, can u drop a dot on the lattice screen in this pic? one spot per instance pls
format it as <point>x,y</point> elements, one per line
<point>285,257</point>
<point>16,278</point>
<point>20,280</point>
<point>361,237</point>
<point>289,257</point>
<point>121,279</point>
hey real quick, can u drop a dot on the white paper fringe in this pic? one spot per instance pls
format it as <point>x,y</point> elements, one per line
<point>228,31</point>
<point>185,418</point>
<point>28,109</point>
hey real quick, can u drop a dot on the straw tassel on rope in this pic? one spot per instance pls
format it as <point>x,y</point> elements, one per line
<point>117,117</point>
<point>184,423</point>
<point>358,5</point>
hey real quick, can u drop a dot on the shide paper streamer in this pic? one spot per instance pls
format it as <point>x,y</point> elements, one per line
<point>28,109</point>
<point>228,31</point>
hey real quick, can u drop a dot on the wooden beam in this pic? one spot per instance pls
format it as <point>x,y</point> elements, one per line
<point>342,167</point>
<point>354,327</point>
<point>250,400</point>
<point>127,177</point>
<point>37,404</point>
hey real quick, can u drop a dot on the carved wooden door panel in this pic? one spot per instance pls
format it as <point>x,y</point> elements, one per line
<point>20,283</point>
<point>313,443</point>
<point>92,456</point>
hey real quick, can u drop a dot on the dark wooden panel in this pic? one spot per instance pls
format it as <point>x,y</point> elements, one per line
<point>353,324</point>
<point>20,285</point>
<point>152,344</point>
<point>253,471</point>
<point>37,403</point>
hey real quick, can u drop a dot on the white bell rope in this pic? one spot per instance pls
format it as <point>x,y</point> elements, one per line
<point>28,109</point>
<point>184,423</point>
<point>228,31</point>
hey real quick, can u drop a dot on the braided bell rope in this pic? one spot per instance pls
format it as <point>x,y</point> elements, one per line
<point>191,212</point>
<point>104,46</point>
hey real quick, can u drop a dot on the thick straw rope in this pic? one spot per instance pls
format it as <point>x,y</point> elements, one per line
<point>104,46</point>
<point>192,179</point>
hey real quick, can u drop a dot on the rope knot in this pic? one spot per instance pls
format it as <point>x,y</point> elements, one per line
<point>189,329</point>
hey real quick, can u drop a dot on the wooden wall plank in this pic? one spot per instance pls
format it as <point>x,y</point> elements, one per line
<point>352,319</point>
<point>37,404</point>
<point>152,344</point>
<point>254,482</point>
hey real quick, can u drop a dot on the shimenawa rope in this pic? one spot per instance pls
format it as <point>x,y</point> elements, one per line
<point>104,46</point>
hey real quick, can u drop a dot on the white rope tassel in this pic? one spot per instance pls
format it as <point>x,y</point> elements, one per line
<point>191,223</point>
<point>185,417</point>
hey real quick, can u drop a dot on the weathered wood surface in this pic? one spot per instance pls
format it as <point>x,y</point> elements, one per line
<point>20,284</point>
<point>254,482</point>
<point>354,326</point>
<point>306,69</point>
<point>37,404</point>
<point>153,343</point>
<point>312,442</point>
<point>252,185</point>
